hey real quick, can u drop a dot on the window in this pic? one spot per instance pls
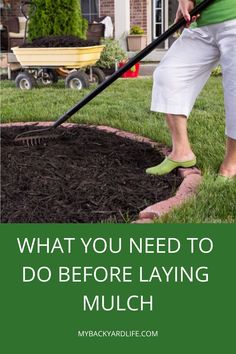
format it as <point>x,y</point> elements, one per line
<point>90,9</point>
<point>158,17</point>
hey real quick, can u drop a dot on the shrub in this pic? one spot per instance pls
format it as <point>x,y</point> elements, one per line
<point>136,30</point>
<point>111,54</point>
<point>57,17</point>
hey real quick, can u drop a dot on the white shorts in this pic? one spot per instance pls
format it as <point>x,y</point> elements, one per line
<point>187,65</point>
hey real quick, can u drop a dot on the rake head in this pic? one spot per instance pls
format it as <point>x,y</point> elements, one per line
<point>35,137</point>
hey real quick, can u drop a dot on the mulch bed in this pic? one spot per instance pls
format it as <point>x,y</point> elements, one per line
<point>59,41</point>
<point>83,176</point>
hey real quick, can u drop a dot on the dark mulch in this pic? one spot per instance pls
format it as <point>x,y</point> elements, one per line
<point>85,175</point>
<point>59,41</point>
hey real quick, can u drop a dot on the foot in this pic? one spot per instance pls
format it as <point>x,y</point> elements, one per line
<point>180,157</point>
<point>169,165</point>
<point>227,171</point>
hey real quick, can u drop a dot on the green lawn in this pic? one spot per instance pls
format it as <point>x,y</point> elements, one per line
<point>126,105</point>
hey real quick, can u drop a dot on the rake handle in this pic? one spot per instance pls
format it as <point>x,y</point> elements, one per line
<point>174,28</point>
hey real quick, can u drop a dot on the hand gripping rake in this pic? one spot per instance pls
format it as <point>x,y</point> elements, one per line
<point>34,137</point>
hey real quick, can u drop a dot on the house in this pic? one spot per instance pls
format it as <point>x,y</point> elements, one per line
<point>154,16</point>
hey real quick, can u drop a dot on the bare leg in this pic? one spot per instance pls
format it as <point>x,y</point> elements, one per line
<point>228,166</point>
<point>182,154</point>
<point>181,149</point>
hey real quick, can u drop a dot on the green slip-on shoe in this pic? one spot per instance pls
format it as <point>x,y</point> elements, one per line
<point>169,165</point>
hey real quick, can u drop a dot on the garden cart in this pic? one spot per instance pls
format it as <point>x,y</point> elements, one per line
<point>75,64</point>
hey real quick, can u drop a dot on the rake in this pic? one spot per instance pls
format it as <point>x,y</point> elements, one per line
<point>35,137</point>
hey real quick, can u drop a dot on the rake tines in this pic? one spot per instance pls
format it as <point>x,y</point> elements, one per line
<point>33,138</point>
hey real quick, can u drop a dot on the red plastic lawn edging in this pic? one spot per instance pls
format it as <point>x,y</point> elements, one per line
<point>145,187</point>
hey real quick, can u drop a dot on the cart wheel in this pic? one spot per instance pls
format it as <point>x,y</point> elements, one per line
<point>98,75</point>
<point>77,80</point>
<point>25,81</point>
<point>49,76</point>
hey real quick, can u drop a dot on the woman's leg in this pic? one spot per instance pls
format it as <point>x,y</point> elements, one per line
<point>227,45</point>
<point>228,167</point>
<point>177,82</point>
<point>182,154</point>
<point>181,148</point>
